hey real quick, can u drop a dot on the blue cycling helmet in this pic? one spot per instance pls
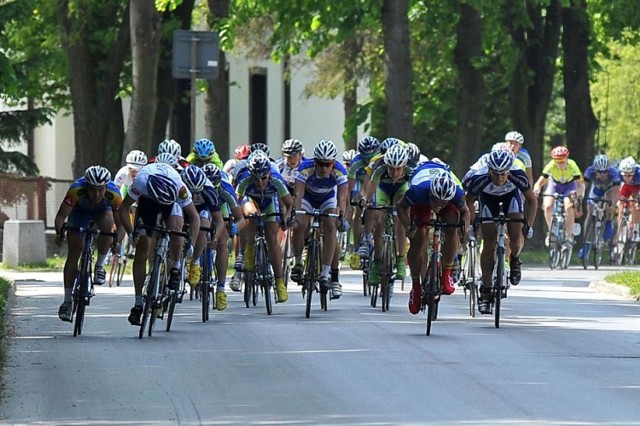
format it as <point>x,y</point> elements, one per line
<point>368,145</point>
<point>500,160</point>
<point>162,189</point>
<point>194,178</point>
<point>388,143</point>
<point>259,165</point>
<point>213,173</point>
<point>204,148</point>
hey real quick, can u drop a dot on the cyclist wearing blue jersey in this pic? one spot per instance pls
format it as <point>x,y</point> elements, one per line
<point>432,188</point>
<point>321,183</point>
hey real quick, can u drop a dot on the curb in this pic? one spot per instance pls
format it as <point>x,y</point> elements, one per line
<point>615,289</point>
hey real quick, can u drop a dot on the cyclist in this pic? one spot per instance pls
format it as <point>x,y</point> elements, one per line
<point>390,181</point>
<point>172,147</point>
<point>347,158</point>
<point>292,156</point>
<point>630,174</point>
<point>240,153</point>
<point>158,190</point>
<point>262,189</point>
<point>516,140</point>
<point>124,178</point>
<point>203,152</point>
<point>501,182</point>
<point>91,198</point>
<point>415,157</point>
<point>205,199</point>
<point>565,178</point>
<point>605,183</point>
<point>367,148</point>
<point>432,188</point>
<point>321,184</point>
<point>230,207</point>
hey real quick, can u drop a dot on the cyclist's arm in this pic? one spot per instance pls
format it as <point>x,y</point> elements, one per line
<point>238,217</point>
<point>542,180</point>
<point>219,224</point>
<point>300,190</point>
<point>403,212</point>
<point>124,214</point>
<point>287,202</point>
<point>343,195</point>
<point>193,218</point>
<point>63,212</point>
<point>532,206</point>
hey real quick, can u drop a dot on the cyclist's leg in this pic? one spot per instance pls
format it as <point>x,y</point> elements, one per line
<point>515,231</point>
<point>193,264</point>
<point>222,263</point>
<point>416,254</point>
<point>451,215</point>
<point>105,223</point>
<point>300,232</point>
<point>175,222</point>
<point>74,250</point>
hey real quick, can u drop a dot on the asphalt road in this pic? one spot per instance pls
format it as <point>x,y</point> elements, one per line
<point>565,354</point>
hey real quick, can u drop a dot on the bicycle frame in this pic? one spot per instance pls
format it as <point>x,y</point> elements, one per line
<point>593,238</point>
<point>387,275</point>
<point>261,277</point>
<point>559,250</point>
<point>207,262</point>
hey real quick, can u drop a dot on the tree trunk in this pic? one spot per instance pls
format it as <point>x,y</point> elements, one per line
<point>582,123</point>
<point>217,97</point>
<point>93,77</point>
<point>532,82</point>
<point>471,95</point>
<point>146,32</point>
<point>399,75</point>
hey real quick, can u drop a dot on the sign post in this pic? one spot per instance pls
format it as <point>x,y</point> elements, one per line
<point>195,55</point>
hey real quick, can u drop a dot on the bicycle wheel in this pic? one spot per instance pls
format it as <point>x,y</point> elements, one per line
<point>588,246</point>
<point>262,268</point>
<point>286,258</point>
<point>122,264</point>
<point>498,285</point>
<point>152,287</point>
<point>310,276</point>
<point>79,302</point>
<point>248,288</point>
<point>471,280</point>
<point>630,252</point>
<point>171,307</point>
<point>113,266</point>
<point>430,292</point>
<point>385,275</point>
<point>205,279</point>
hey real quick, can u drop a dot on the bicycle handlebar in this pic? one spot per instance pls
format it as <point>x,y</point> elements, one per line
<point>600,200</point>
<point>316,213</point>
<point>501,219</point>
<point>90,230</point>
<point>258,215</point>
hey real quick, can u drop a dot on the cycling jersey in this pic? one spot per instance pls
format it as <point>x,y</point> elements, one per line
<point>139,186</point>
<point>569,174</point>
<point>321,186</point>
<point>288,172</point>
<point>482,162</point>
<point>207,199</point>
<point>419,192</point>
<point>490,195</point>
<point>76,197</point>
<point>276,187</point>
<point>389,191</point>
<point>600,182</point>
<point>123,180</point>
<point>192,158</point>
<point>524,156</point>
<point>358,167</point>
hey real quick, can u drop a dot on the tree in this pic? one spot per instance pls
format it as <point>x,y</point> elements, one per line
<point>146,32</point>
<point>581,121</point>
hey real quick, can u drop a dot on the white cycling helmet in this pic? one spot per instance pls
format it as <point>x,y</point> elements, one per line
<point>601,163</point>
<point>325,150</point>
<point>443,187</point>
<point>97,176</point>
<point>136,158</point>
<point>514,136</point>
<point>388,143</point>
<point>167,158</point>
<point>628,165</point>
<point>414,153</point>
<point>259,146</point>
<point>500,160</point>
<point>348,155</point>
<point>396,156</point>
<point>170,146</point>
<point>501,146</point>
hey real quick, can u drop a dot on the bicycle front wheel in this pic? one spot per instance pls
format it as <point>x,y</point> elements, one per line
<point>431,293</point>
<point>385,275</point>
<point>498,285</point>
<point>589,244</point>
<point>310,277</point>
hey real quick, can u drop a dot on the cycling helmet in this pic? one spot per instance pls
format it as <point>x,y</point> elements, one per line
<point>325,150</point>
<point>167,158</point>
<point>501,146</point>
<point>443,187</point>
<point>136,158</point>
<point>601,163</point>
<point>291,147</point>
<point>500,160</point>
<point>560,153</point>
<point>170,146</point>
<point>162,189</point>
<point>348,155</point>
<point>97,176</point>
<point>414,153</point>
<point>396,156</point>
<point>628,165</point>
<point>204,148</point>
<point>259,165</point>
<point>213,173</point>
<point>388,143</point>
<point>241,152</point>
<point>261,147</point>
<point>194,178</point>
<point>514,136</point>
<point>368,145</point>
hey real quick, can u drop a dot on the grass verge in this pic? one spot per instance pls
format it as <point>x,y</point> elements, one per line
<point>51,264</point>
<point>629,279</point>
<point>5,286</point>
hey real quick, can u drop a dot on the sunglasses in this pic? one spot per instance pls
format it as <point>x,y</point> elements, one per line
<point>324,163</point>
<point>627,174</point>
<point>261,178</point>
<point>602,171</point>
<point>493,172</point>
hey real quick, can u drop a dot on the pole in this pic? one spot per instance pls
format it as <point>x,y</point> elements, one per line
<point>194,91</point>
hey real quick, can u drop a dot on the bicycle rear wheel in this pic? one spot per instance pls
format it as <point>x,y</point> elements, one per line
<point>364,264</point>
<point>122,264</point>
<point>173,299</point>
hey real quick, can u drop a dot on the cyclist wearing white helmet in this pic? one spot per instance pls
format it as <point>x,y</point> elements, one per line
<point>499,182</point>
<point>203,152</point>
<point>158,190</point>
<point>367,149</point>
<point>292,156</point>
<point>605,184</point>
<point>516,140</point>
<point>630,189</point>
<point>124,178</point>
<point>91,198</point>
<point>321,183</point>
<point>389,183</point>
<point>262,189</point>
<point>170,146</point>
